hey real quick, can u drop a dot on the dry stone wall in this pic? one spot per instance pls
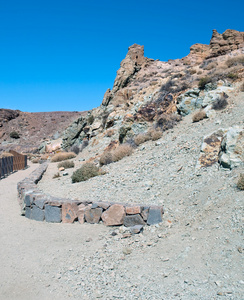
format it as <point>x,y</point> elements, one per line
<point>39,206</point>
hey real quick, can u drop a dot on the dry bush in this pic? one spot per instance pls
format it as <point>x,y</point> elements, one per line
<point>35,160</point>
<point>141,138</point>
<point>203,81</point>
<point>62,156</point>
<point>5,154</point>
<point>193,71</point>
<point>87,171</point>
<point>121,151</point>
<point>220,103</point>
<point>240,183</point>
<point>106,158</point>
<point>67,164</point>
<point>44,156</point>
<point>165,122</point>
<point>155,134</point>
<point>57,175</point>
<point>199,115</point>
<point>235,61</point>
<point>210,66</point>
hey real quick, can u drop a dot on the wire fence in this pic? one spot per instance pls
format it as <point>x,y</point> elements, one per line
<point>13,163</point>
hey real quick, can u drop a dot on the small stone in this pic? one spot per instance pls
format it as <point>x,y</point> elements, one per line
<point>127,251</point>
<point>136,229</point>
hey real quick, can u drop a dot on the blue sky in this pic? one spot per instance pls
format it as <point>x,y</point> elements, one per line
<point>63,55</point>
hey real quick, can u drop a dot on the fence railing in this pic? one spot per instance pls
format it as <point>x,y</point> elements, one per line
<point>13,163</point>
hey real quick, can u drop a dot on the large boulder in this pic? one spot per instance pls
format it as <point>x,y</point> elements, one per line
<point>232,148</point>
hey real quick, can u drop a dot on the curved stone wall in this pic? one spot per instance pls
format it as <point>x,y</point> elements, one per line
<point>39,206</point>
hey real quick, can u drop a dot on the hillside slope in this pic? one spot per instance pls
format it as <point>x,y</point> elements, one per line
<point>197,251</point>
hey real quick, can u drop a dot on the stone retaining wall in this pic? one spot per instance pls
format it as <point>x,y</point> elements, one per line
<point>39,206</point>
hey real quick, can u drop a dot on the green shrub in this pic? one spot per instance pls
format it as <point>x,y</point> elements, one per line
<point>203,81</point>
<point>240,183</point>
<point>232,76</point>
<point>87,171</point>
<point>14,135</point>
<point>67,164</point>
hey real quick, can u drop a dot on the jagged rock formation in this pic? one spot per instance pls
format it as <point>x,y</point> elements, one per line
<point>147,92</point>
<point>230,40</point>
<point>7,115</point>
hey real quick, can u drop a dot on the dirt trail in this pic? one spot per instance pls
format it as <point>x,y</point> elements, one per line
<point>29,249</point>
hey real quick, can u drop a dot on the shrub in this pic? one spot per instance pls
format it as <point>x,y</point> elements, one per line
<point>232,76</point>
<point>35,160</point>
<point>142,138</point>
<point>75,149</point>
<point>87,171</point>
<point>106,158</point>
<point>66,164</point>
<point>57,175</point>
<point>62,156</point>
<point>14,135</point>
<point>210,66</point>
<point>203,81</point>
<point>166,122</point>
<point>199,115</point>
<point>155,134</point>
<point>122,151</point>
<point>220,103</point>
<point>235,61</point>
<point>5,154</point>
<point>240,183</point>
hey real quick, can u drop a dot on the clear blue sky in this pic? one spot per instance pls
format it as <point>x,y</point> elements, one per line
<point>63,55</point>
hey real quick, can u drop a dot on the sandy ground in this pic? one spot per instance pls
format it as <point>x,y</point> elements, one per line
<point>29,249</point>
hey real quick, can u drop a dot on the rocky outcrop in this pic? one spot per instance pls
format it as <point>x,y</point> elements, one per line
<point>196,99</point>
<point>7,115</point>
<point>147,90</point>
<point>225,146</point>
<point>221,44</point>
<point>232,148</point>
